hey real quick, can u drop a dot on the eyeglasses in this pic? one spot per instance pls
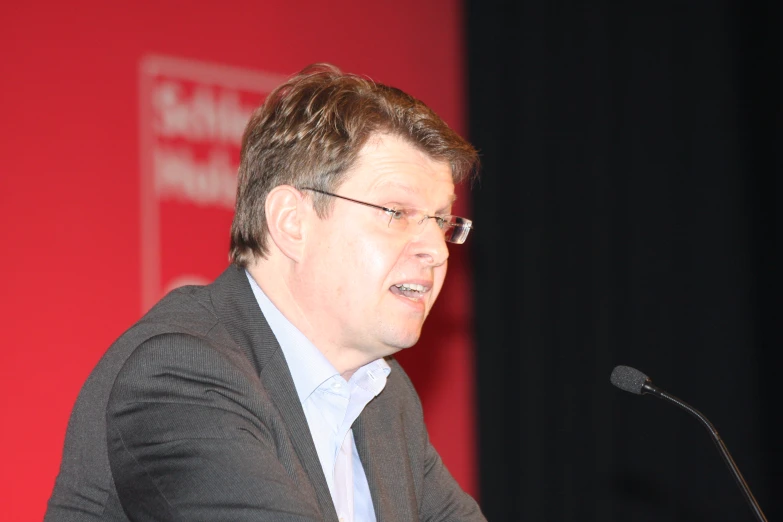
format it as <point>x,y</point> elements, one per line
<point>455,229</point>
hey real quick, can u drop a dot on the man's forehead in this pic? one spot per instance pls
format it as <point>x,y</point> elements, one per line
<point>394,162</point>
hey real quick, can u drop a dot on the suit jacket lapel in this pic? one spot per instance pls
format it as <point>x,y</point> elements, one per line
<point>238,310</point>
<point>278,382</point>
<point>380,442</point>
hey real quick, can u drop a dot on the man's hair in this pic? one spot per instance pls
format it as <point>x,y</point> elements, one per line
<point>308,133</point>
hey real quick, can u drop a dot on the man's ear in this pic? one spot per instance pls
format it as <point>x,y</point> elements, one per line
<point>284,217</point>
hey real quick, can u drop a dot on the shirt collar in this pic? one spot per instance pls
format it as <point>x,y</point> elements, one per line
<point>309,368</point>
<point>372,377</point>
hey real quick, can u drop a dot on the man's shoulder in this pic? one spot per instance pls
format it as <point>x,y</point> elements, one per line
<point>195,309</point>
<point>187,310</point>
<point>186,313</point>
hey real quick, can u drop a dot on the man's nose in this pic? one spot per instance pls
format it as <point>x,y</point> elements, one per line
<point>430,244</point>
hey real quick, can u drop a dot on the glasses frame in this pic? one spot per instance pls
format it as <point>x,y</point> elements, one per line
<point>440,220</point>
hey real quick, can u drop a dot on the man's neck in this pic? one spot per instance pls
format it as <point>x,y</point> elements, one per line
<point>278,290</point>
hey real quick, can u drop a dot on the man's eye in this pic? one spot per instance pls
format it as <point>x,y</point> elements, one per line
<point>441,222</point>
<point>398,214</point>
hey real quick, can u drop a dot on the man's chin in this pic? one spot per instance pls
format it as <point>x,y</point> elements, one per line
<point>404,341</point>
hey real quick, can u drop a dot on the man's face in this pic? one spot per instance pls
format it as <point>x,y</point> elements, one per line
<point>354,263</point>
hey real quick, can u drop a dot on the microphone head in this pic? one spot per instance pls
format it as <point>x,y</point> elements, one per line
<point>628,379</point>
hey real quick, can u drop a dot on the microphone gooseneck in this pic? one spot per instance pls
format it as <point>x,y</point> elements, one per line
<point>633,381</point>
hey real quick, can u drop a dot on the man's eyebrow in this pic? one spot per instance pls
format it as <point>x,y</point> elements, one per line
<point>453,198</point>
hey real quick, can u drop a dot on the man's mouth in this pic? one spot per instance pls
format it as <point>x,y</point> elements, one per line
<point>409,290</point>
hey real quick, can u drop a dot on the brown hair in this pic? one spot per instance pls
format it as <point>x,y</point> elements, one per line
<point>309,132</point>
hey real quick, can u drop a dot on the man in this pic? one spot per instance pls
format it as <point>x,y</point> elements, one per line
<point>270,394</point>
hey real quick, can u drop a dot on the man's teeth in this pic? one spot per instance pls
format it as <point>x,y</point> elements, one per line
<point>411,286</point>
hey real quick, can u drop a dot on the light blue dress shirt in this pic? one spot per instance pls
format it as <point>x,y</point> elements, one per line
<point>331,405</point>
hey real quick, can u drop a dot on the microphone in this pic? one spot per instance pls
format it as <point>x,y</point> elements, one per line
<point>633,381</point>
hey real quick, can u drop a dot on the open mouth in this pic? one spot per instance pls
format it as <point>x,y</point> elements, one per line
<point>409,290</point>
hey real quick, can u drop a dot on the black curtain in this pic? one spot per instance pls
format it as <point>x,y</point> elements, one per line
<point>626,214</point>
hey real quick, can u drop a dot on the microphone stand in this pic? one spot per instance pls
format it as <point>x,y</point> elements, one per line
<point>648,387</point>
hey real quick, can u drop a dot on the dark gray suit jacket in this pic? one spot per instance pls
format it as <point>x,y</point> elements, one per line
<point>192,415</point>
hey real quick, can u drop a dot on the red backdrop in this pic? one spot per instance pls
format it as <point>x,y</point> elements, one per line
<point>110,193</point>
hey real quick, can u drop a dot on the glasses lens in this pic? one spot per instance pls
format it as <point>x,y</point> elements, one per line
<point>456,234</point>
<point>457,230</point>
